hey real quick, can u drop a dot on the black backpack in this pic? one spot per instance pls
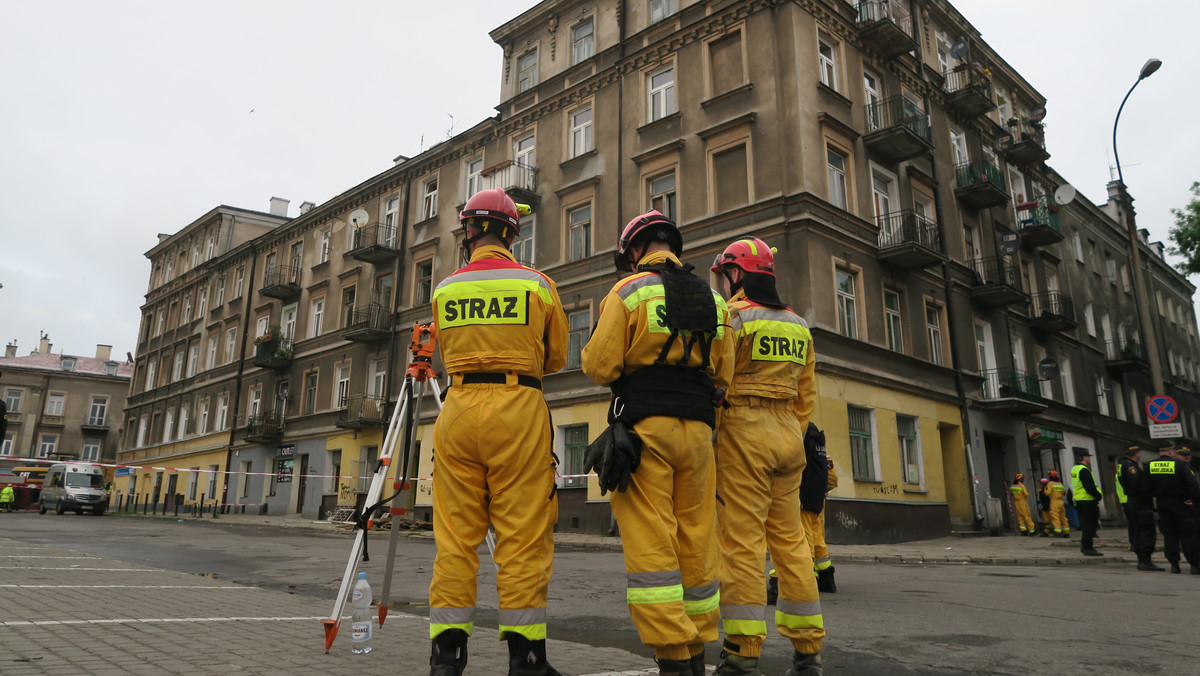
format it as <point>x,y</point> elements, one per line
<point>814,481</point>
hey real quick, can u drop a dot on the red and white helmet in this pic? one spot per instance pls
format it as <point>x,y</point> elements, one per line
<point>493,212</point>
<point>750,254</point>
<point>652,224</point>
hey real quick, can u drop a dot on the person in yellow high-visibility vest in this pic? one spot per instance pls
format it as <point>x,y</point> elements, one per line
<point>7,497</point>
<point>1058,511</point>
<point>1020,500</point>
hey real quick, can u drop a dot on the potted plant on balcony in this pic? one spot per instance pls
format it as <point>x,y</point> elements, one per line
<point>284,353</point>
<point>271,335</point>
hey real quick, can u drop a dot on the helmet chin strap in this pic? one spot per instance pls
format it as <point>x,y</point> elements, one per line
<point>483,232</point>
<point>734,287</point>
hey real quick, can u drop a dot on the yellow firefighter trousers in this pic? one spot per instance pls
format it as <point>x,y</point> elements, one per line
<point>493,463</point>
<point>760,456</point>
<point>1024,519</point>
<point>1058,516</point>
<point>814,531</point>
<point>668,533</point>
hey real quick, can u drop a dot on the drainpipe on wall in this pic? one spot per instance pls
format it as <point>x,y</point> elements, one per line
<point>237,387</point>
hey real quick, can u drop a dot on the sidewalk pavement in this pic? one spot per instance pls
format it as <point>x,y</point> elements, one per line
<point>1008,549</point>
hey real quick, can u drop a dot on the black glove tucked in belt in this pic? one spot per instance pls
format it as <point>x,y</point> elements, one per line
<point>614,456</point>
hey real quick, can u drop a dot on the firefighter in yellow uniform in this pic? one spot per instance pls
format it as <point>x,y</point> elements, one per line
<point>663,345</point>
<point>814,527</point>
<point>1044,506</point>
<point>760,456</point>
<point>501,326</point>
<point>1058,512</point>
<point>1020,500</point>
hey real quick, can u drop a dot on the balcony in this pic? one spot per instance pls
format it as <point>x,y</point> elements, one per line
<point>1011,391</point>
<point>1037,221</point>
<point>886,26</point>
<point>273,354</point>
<point>375,243</point>
<point>94,424</point>
<point>909,240</point>
<point>979,185</point>
<point>969,90</point>
<point>1028,143</point>
<point>371,324</point>
<point>515,178</point>
<point>1125,355</point>
<point>264,428</point>
<point>996,282</point>
<point>897,129</point>
<point>282,282</point>
<point>52,420</point>
<point>1052,312</point>
<point>363,411</point>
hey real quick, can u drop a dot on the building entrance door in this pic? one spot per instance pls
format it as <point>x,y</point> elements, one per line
<point>302,484</point>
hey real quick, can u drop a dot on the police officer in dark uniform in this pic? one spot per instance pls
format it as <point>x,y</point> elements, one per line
<point>1176,493</point>
<point>1133,491</point>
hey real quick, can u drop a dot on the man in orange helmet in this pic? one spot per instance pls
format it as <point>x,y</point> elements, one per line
<point>501,326</point>
<point>760,458</point>
<point>1058,512</point>
<point>663,345</point>
<point>1020,501</point>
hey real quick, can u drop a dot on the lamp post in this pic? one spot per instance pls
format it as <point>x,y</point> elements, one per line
<point>1139,288</point>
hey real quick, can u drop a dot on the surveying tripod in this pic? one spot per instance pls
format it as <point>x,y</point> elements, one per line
<point>407,415</point>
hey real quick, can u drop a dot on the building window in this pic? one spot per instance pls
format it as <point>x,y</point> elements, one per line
<point>98,411</point>
<point>862,443</point>
<point>202,302</point>
<point>68,363</point>
<point>245,479</point>
<point>193,480</point>
<point>429,198</point>
<point>527,65</point>
<point>522,246</point>
<point>1101,395</point>
<point>210,357</point>
<point>193,359</point>
<point>725,63</point>
<point>323,246</point>
<point>49,443</point>
<point>377,375</point>
<point>169,426</point>
<point>310,392</point>
<point>662,195</point>
<point>6,448</point>
<point>202,418</point>
<point>958,144</point>
<point>347,306</point>
<point>55,403</point>
<point>575,441</point>
<point>187,310</point>
<point>581,131</point>
<point>424,281</point>
<point>1077,245</point>
<point>212,480</point>
<point>580,331</point>
<point>162,320</point>
<point>230,344</point>
<point>580,222</point>
<point>391,221</point>
<point>661,86</point>
<point>255,403</point>
<point>177,373</point>
<point>837,178</point>
<point>341,389</point>
<point>223,411</point>
<point>1135,411</point>
<point>933,328</point>
<point>847,308</point>
<point>185,414</point>
<point>910,449</point>
<point>583,41</point>
<point>1089,320</point>
<point>732,178</point>
<point>827,55</point>
<point>474,176</point>
<point>315,317</point>
<point>239,283</point>
<point>525,151</point>
<point>661,9</point>
<point>12,399</point>
<point>893,319</point>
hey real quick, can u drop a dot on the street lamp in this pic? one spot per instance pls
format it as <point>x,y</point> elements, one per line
<point>1139,288</point>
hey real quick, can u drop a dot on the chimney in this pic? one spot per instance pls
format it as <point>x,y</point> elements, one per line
<point>10,350</point>
<point>305,207</point>
<point>279,206</point>
<point>44,345</point>
<point>104,352</point>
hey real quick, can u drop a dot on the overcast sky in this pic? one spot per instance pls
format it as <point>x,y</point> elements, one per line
<point>120,120</point>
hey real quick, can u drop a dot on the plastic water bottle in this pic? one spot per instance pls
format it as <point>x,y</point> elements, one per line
<point>360,627</point>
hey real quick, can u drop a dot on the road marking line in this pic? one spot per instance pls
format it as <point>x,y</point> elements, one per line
<point>160,620</point>
<point>115,570</point>
<point>113,586</point>
<point>39,556</point>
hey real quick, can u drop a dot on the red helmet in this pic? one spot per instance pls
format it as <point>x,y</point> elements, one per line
<point>492,207</point>
<point>650,224</point>
<point>1054,475</point>
<point>1019,477</point>
<point>750,254</point>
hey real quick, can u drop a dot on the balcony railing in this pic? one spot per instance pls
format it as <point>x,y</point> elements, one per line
<point>996,281</point>
<point>264,426</point>
<point>1125,355</point>
<point>1028,142</point>
<point>273,354</point>
<point>363,411</point>
<point>1052,311</point>
<point>282,282</point>
<point>517,179</point>
<point>375,243</point>
<point>1038,222</point>
<point>370,324</point>
<point>1010,383</point>
<point>980,184</point>
<point>95,423</point>
<point>897,129</point>
<point>969,90</point>
<point>886,26</point>
<point>909,240</point>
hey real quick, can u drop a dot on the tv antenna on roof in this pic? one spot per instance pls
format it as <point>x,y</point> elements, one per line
<point>450,131</point>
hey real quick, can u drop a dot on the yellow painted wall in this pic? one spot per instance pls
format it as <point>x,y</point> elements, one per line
<point>834,394</point>
<point>201,459</point>
<point>353,445</point>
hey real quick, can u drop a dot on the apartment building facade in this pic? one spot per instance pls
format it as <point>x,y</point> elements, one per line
<point>896,161</point>
<point>62,406</point>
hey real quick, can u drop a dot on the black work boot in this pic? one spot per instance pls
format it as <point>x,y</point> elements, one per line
<point>528,658</point>
<point>697,664</point>
<point>772,591</point>
<point>1175,568</point>
<point>736,665</point>
<point>825,581</point>
<point>1144,563</point>
<point>449,656</point>
<point>804,664</point>
<point>673,667</point>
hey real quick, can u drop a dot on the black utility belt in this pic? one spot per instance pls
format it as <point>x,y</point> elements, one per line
<point>499,379</point>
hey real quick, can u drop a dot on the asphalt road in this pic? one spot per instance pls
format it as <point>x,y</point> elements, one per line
<point>885,619</point>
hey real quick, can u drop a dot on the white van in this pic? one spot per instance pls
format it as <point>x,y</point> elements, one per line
<point>73,486</point>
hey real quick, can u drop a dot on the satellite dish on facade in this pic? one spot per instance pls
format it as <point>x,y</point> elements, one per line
<point>1037,114</point>
<point>1010,243</point>
<point>1004,141</point>
<point>1047,369</point>
<point>358,218</point>
<point>959,49</point>
<point>1065,194</point>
